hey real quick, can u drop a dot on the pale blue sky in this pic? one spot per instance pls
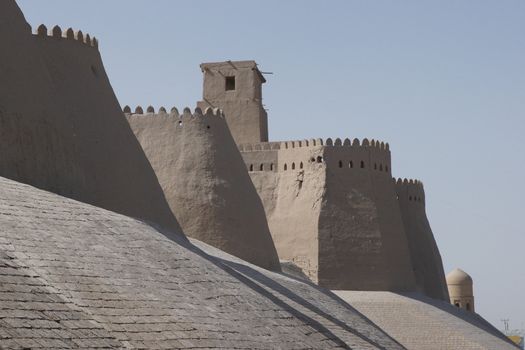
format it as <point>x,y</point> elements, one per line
<point>442,81</point>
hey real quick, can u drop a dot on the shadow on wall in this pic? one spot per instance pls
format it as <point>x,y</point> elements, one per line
<point>267,287</point>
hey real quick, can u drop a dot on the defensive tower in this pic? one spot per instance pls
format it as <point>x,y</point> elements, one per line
<point>205,181</point>
<point>428,266</point>
<point>332,210</point>
<point>61,126</point>
<point>331,205</point>
<point>236,88</point>
<point>460,288</point>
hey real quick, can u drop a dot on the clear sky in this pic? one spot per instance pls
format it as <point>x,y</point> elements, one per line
<point>442,81</point>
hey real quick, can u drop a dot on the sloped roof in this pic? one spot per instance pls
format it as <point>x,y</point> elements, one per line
<point>34,315</point>
<point>104,278</point>
<point>422,323</point>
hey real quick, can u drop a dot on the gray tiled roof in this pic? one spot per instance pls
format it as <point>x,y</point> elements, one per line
<point>422,323</point>
<point>33,315</point>
<point>74,276</point>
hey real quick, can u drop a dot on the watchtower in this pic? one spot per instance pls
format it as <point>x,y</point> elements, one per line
<point>236,88</point>
<point>460,289</point>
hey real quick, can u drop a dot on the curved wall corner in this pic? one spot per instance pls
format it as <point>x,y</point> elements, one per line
<point>61,128</point>
<point>206,183</point>
<point>424,252</point>
<point>362,242</point>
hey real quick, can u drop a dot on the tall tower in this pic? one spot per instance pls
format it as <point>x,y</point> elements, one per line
<point>460,289</point>
<point>236,88</point>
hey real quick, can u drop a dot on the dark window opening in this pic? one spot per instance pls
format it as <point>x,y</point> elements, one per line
<point>230,83</point>
<point>293,166</point>
<point>312,159</point>
<point>319,159</point>
<point>261,168</point>
<point>301,165</point>
<point>457,304</point>
<point>468,306</point>
<point>285,167</point>
<point>271,166</point>
<point>351,164</point>
<point>409,198</point>
<point>251,167</point>
<point>340,164</point>
<point>362,165</point>
<point>386,168</point>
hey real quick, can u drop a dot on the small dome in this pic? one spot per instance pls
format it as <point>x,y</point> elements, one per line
<point>458,276</point>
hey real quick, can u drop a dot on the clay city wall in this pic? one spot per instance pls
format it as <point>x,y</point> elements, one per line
<point>292,202</point>
<point>205,181</point>
<point>333,211</point>
<point>263,156</point>
<point>424,252</point>
<point>361,234</point>
<point>61,127</point>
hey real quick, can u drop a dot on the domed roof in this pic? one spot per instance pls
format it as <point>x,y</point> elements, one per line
<point>458,276</point>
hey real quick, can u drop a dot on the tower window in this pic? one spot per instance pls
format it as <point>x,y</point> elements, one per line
<point>468,306</point>
<point>230,83</point>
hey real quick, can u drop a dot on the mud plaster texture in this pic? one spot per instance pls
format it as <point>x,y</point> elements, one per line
<point>205,182</point>
<point>61,127</point>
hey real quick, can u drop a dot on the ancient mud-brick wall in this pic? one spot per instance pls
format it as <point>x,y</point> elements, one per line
<point>204,180</point>
<point>291,190</point>
<point>332,209</point>
<point>428,266</point>
<point>61,127</point>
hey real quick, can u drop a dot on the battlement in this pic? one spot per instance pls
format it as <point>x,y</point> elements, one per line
<point>409,189</point>
<point>69,34</point>
<point>343,154</point>
<point>174,112</point>
<point>263,146</point>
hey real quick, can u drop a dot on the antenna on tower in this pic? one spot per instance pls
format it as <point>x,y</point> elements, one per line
<point>506,325</point>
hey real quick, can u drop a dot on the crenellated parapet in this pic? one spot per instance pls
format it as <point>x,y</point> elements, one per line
<point>262,146</point>
<point>69,34</point>
<point>186,114</point>
<point>410,190</point>
<point>336,154</point>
